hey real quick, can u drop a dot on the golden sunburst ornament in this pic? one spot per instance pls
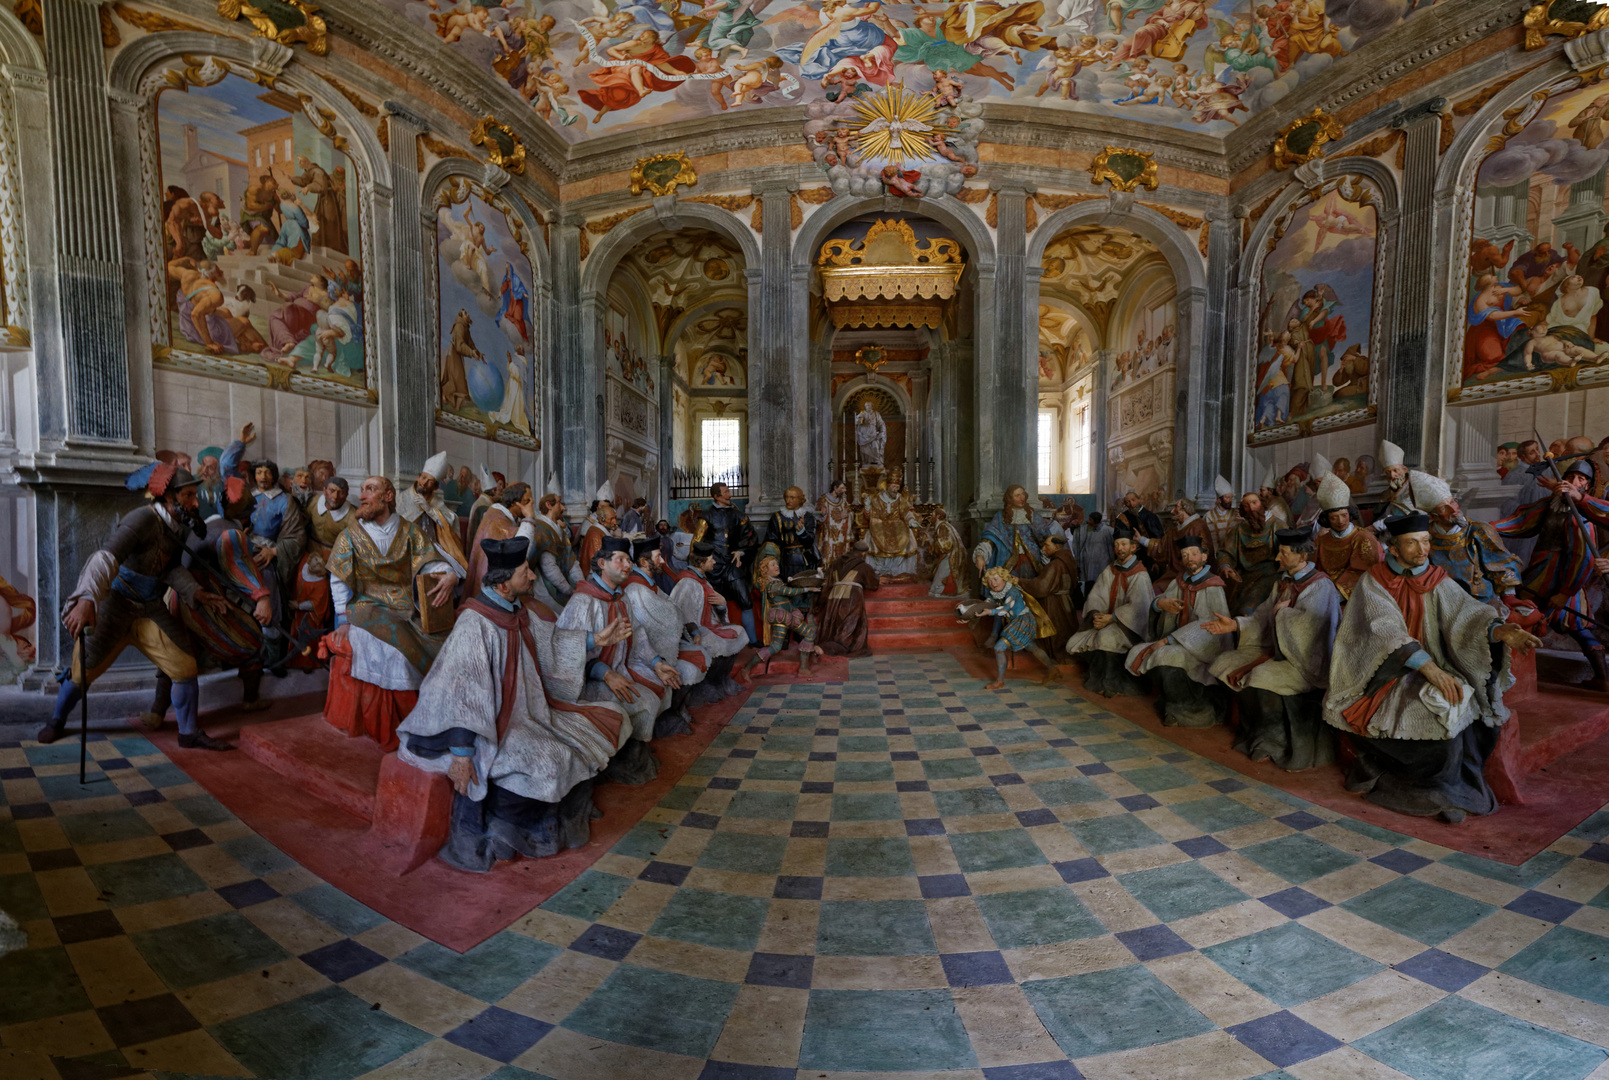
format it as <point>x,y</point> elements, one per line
<point>894,124</point>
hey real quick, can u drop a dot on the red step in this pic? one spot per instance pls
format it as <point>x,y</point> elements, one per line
<point>322,761</point>
<point>916,620</point>
<point>924,640</point>
<point>909,591</point>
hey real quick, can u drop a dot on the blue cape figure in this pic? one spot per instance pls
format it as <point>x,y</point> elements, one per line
<point>1015,546</point>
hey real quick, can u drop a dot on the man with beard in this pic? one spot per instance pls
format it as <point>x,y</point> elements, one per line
<point>1416,680</point>
<point>1247,556</point>
<point>628,672</point>
<point>648,608</point>
<point>1222,516</point>
<point>230,636</point>
<point>510,516</point>
<point>601,523</point>
<point>1568,528</point>
<point>726,528</point>
<point>703,611</point>
<point>328,516</point>
<point>1282,667</point>
<point>498,714</point>
<point>1398,498</point>
<point>842,627</point>
<point>119,599</point>
<point>278,537</point>
<point>1145,525</point>
<point>552,554</point>
<point>492,485</point>
<point>1116,616</point>
<point>1274,504</point>
<point>1053,588</point>
<point>1470,551</point>
<point>1345,552</point>
<point>1181,648</point>
<point>379,653</point>
<point>791,536</point>
<point>1012,538</point>
<point>423,505</point>
<point>302,489</point>
<point>210,491</point>
<point>1165,552</point>
<point>835,519</point>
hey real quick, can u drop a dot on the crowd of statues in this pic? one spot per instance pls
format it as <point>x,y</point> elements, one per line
<point>483,636</point>
<point>1390,629</point>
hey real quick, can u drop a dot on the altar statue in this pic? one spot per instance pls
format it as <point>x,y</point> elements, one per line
<point>890,522</point>
<point>871,435</point>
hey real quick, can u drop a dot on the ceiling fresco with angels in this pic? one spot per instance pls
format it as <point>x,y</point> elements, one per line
<point>599,66</point>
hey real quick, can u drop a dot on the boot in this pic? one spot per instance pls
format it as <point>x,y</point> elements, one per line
<point>202,741</point>
<point>1600,674</point>
<point>721,673</point>
<point>48,734</point>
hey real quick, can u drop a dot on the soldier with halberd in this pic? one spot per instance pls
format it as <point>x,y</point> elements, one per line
<point>1417,676</point>
<point>628,672</point>
<point>1281,668</point>
<point>119,600</point>
<point>1568,527</point>
<point>1117,614</point>
<point>1180,648</point>
<point>1344,551</point>
<point>725,527</point>
<point>499,714</point>
<point>379,652</point>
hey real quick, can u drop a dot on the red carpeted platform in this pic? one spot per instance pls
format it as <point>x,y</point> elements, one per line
<point>903,618</point>
<point>1554,757</point>
<point>362,820</point>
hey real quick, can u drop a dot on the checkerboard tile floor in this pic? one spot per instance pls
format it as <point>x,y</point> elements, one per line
<point>903,873</point>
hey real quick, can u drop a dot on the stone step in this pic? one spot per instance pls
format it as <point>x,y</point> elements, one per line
<point>916,640</point>
<point>320,760</point>
<point>914,620</point>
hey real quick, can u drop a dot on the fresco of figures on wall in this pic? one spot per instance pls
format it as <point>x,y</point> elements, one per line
<point>1140,406</point>
<point>1316,313</point>
<point>17,613</point>
<point>623,358</point>
<point>1538,260</point>
<point>614,64</point>
<point>485,318</point>
<point>260,239</point>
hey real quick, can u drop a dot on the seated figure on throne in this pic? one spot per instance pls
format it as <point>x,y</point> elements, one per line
<point>379,652</point>
<point>890,523</point>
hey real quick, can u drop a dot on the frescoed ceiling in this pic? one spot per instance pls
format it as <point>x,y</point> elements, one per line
<point>590,67</point>
<point>1090,263</point>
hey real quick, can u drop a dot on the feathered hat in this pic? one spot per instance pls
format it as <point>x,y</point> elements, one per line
<point>158,478</point>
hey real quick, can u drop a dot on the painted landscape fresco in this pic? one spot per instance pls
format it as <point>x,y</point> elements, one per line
<point>1538,260</point>
<point>1317,312</point>
<point>260,234</point>
<point>485,317</point>
<point>611,64</point>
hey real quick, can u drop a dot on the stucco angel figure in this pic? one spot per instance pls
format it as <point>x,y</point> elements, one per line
<point>871,435</point>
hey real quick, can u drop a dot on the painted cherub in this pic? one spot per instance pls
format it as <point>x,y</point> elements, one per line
<point>1553,350</point>
<point>462,16</point>
<point>754,78</point>
<point>941,146</point>
<point>840,146</point>
<point>947,89</point>
<point>602,28</point>
<point>705,62</point>
<point>1065,63</point>
<point>543,89</point>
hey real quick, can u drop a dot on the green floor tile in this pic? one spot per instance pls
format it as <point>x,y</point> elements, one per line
<point>761,769</point>
<point>206,950</point>
<point>1423,912</point>
<point>866,806</point>
<point>257,855</point>
<point>1298,858</point>
<point>1180,891</point>
<point>949,740</point>
<point>488,971</point>
<point>1069,792</point>
<point>719,920</point>
<point>39,984</point>
<point>21,899</point>
<point>1116,751</point>
<point>338,909</point>
<point>202,810</point>
<point>1159,778</point>
<point>968,802</point>
<point>884,1030</point>
<point>1013,736</point>
<point>851,856</point>
<point>955,768</point>
<point>790,744</point>
<point>1528,875</point>
<point>140,881</point>
<point>874,928</point>
<point>1290,964</point>
<point>1037,761</point>
<point>589,895</point>
<point>763,805</point>
<point>1216,813</point>
<point>1567,960</point>
<point>863,772</point>
<point>995,850</point>
<point>1456,1039</point>
<point>645,840</point>
<point>1120,832</point>
<point>658,1010</point>
<point>744,853</point>
<point>327,1035</point>
<point>685,796</point>
<point>1018,920</point>
<point>1109,1011</point>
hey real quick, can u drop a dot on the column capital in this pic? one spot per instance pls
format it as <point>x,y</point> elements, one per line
<point>1010,185</point>
<point>398,111</point>
<point>1430,109</point>
<point>774,186</point>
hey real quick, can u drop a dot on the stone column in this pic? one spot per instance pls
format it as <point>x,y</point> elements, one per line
<point>667,433</point>
<point>821,412</point>
<point>1198,448</point>
<point>577,381</point>
<point>779,360</point>
<point>1009,379</point>
<point>1099,428</point>
<point>408,370</point>
<point>1411,391</point>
